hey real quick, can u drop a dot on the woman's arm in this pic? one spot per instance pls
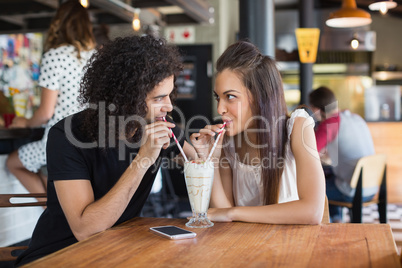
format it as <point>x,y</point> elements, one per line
<point>222,189</point>
<point>42,114</point>
<point>310,185</point>
<point>190,151</point>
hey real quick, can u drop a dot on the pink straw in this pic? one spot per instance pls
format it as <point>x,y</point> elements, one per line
<point>216,142</point>
<point>177,142</point>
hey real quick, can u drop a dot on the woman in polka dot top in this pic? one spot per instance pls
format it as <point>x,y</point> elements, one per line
<point>69,45</point>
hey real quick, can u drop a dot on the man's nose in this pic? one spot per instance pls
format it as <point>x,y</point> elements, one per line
<point>167,106</point>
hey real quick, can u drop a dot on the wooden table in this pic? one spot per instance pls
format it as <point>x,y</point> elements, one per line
<point>131,244</point>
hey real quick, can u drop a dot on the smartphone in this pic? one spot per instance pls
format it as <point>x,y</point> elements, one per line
<point>172,232</point>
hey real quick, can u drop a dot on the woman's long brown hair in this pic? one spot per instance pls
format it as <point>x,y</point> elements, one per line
<point>71,25</point>
<point>261,77</point>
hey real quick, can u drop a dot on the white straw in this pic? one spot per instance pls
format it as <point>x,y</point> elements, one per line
<point>216,142</point>
<point>177,142</point>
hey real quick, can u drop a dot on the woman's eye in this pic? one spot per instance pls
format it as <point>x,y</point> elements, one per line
<point>230,97</point>
<point>216,97</point>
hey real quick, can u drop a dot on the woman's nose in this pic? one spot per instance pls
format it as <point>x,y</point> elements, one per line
<point>221,108</point>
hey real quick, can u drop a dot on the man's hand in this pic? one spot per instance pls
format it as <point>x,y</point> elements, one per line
<point>156,136</point>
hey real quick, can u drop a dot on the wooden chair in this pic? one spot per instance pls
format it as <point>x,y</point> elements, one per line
<point>325,216</point>
<point>6,253</point>
<point>400,256</point>
<point>370,171</point>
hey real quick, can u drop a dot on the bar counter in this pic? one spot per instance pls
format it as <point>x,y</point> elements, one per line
<point>12,138</point>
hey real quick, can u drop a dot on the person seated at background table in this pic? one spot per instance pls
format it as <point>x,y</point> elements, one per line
<point>102,161</point>
<point>269,170</point>
<point>69,44</point>
<point>347,138</point>
<point>101,33</point>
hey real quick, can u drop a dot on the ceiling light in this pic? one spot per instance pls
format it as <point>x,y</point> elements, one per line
<point>136,20</point>
<point>348,16</point>
<point>382,6</point>
<point>355,42</point>
<point>84,3</point>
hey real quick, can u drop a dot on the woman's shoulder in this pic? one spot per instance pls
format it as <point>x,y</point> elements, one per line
<point>299,115</point>
<point>66,51</point>
<point>60,50</point>
<point>57,54</point>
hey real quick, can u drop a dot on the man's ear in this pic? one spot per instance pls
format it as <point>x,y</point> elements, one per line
<point>323,115</point>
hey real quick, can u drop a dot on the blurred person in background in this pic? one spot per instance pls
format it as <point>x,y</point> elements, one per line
<point>101,33</point>
<point>345,138</point>
<point>69,44</point>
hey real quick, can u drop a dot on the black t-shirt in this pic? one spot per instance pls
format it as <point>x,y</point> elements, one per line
<point>71,156</point>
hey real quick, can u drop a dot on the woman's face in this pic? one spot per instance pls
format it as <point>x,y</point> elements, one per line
<point>234,102</point>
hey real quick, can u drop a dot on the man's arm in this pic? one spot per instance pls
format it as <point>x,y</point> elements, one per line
<point>327,132</point>
<point>87,216</point>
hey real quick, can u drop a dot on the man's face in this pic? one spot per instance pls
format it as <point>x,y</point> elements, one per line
<point>158,100</point>
<point>317,113</point>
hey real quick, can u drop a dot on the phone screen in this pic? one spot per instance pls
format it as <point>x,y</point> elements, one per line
<point>171,230</point>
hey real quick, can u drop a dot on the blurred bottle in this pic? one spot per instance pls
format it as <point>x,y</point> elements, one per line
<point>385,113</point>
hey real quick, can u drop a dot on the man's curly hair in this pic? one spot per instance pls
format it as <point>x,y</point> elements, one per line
<point>119,76</point>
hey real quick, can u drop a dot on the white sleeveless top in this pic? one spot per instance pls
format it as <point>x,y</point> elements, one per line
<point>247,183</point>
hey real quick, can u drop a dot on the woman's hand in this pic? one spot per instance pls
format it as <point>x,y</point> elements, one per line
<point>19,122</point>
<point>219,214</point>
<point>204,141</point>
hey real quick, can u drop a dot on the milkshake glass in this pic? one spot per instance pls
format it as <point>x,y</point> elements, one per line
<point>199,178</point>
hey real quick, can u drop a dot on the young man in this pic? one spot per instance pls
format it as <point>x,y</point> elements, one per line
<point>102,161</point>
<point>347,138</point>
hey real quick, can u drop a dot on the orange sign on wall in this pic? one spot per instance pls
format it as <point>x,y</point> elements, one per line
<point>307,43</point>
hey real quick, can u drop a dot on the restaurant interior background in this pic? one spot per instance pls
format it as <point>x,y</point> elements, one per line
<point>350,73</point>
<point>346,70</point>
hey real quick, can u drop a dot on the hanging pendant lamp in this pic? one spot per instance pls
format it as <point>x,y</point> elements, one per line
<point>136,20</point>
<point>348,16</point>
<point>84,3</point>
<point>383,6</point>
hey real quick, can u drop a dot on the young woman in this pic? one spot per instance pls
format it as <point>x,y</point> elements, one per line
<point>267,166</point>
<point>69,44</point>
